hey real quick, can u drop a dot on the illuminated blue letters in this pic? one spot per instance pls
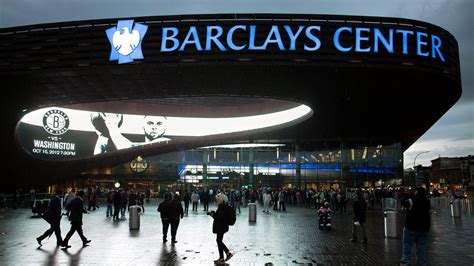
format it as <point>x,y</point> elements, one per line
<point>405,39</point>
<point>435,45</point>
<point>293,36</point>
<point>274,32</point>
<point>195,39</point>
<point>360,38</point>
<point>165,38</point>
<point>286,37</point>
<point>252,39</point>
<point>230,42</point>
<point>317,42</point>
<point>336,39</point>
<point>378,37</point>
<point>420,43</point>
<point>210,38</point>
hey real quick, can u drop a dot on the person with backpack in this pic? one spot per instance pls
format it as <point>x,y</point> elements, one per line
<point>221,225</point>
<point>53,217</point>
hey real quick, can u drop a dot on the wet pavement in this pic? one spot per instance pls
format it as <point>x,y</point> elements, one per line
<point>277,238</point>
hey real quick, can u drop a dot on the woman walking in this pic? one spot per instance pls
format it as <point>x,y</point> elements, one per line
<point>220,227</point>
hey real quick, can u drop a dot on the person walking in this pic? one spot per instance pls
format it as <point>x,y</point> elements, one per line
<point>360,209</point>
<point>117,200</point>
<point>220,227</point>
<point>67,200</point>
<point>186,199</point>
<point>77,209</point>
<point>266,200</point>
<point>417,226</point>
<point>53,217</point>
<point>109,201</point>
<point>281,201</point>
<point>176,214</point>
<point>237,201</point>
<point>205,199</point>
<point>195,201</point>
<point>124,201</point>
<point>165,208</point>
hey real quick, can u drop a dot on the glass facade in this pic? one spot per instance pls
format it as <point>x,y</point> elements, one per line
<point>291,165</point>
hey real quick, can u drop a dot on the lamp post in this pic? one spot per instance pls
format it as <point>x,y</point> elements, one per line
<point>414,161</point>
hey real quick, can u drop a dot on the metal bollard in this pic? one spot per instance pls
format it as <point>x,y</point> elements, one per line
<point>468,205</point>
<point>134,217</point>
<point>455,208</point>
<point>390,224</point>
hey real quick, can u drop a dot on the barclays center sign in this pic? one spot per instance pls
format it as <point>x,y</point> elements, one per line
<point>127,37</point>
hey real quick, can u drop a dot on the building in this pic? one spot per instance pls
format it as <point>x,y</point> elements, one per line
<point>306,99</point>
<point>453,171</point>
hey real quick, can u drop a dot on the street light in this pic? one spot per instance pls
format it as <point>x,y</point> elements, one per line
<point>414,161</point>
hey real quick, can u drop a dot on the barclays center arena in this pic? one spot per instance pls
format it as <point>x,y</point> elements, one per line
<point>222,100</point>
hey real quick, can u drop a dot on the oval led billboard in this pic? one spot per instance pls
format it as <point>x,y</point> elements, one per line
<point>60,133</point>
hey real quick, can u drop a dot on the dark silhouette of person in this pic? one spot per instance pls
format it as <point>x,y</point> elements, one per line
<point>53,217</point>
<point>117,200</point>
<point>360,210</point>
<point>417,226</point>
<point>77,209</point>
<point>205,199</point>
<point>176,214</point>
<point>186,200</point>
<point>166,211</point>
<point>220,227</point>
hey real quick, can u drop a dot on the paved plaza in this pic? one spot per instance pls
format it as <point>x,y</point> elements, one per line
<point>277,238</point>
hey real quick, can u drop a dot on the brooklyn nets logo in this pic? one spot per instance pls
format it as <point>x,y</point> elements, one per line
<point>55,122</point>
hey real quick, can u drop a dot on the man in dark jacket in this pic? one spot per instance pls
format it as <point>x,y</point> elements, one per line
<point>77,209</point>
<point>166,211</point>
<point>417,226</point>
<point>176,214</point>
<point>205,199</point>
<point>360,207</point>
<point>53,217</point>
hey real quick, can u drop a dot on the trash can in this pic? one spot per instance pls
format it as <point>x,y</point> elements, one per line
<point>252,212</point>
<point>390,222</point>
<point>134,218</point>
<point>455,208</point>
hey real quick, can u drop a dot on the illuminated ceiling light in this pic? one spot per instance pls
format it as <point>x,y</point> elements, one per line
<point>243,145</point>
<point>117,184</point>
<point>364,155</point>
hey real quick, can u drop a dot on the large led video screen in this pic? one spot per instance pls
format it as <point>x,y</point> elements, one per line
<point>59,134</point>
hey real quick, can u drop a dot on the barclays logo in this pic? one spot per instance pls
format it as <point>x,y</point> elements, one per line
<point>126,40</point>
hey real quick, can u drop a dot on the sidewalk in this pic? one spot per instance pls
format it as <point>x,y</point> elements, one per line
<point>278,238</point>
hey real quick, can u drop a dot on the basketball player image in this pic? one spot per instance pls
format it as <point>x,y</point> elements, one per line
<point>108,130</point>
